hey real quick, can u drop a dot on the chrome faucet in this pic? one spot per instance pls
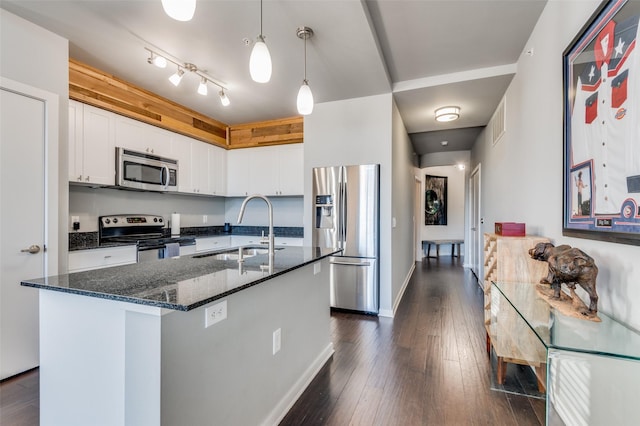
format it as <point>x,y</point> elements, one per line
<point>270,207</point>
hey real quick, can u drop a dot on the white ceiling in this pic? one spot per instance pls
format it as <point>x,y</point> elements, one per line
<point>428,53</point>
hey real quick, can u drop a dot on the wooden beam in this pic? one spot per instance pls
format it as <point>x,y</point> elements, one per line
<point>264,133</point>
<point>94,87</point>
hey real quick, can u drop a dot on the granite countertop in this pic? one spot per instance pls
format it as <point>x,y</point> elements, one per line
<point>182,283</point>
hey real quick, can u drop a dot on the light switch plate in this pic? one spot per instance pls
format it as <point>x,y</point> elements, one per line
<point>316,268</point>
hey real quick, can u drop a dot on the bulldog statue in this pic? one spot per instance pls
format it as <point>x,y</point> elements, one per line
<point>568,265</point>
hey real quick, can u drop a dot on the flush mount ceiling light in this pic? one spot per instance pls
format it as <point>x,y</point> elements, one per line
<point>305,97</point>
<point>260,59</point>
<point>449,113</point>
<point>176,78</point>
<point>180,10</point>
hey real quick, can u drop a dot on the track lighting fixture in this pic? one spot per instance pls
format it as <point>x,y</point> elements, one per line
<point>202,88</point>
<point>305,97</point>
<point>260,59</point>
<point>176,78</point>
<point>180,10</point>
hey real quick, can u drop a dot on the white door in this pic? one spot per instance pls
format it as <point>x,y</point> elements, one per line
<point>475,233</point>
<point>23,235</point>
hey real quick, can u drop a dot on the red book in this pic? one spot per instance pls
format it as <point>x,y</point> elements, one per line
<point>511,229</point>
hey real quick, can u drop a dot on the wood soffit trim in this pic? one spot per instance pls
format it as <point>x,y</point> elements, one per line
<point>97,88</point>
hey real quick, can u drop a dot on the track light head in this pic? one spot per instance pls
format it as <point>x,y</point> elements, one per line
<point>177,77</point>
<point>224,99</point>
<point>202,88</point>
<point>157,60</point>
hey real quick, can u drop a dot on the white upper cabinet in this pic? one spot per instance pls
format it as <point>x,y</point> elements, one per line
<point>202,166</point>
<point>217,170</point>
<point>91,145</point>
<point>291,169</point>
<point>138,136</point>
<point>272,170</point>
<point>238,166</point>
<point>181,151</point>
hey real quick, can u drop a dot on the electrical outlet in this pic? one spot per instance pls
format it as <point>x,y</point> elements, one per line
<point>316,268</point>
<point>204,218</point>
<point>277,344</point>
<point>215,313</point>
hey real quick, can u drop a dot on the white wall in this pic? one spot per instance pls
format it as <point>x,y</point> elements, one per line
<point>25,47</point>
<point>358,131</point>
<point>89,203</point>
<point>522,173</point>
<point>454,229</point>
<point>287,211</point>
<point>402,202</point>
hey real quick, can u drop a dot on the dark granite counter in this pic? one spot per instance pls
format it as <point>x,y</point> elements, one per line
<point>181,283</point>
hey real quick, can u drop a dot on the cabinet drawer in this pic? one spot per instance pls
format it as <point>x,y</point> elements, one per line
<point>212,243</point>
<point>85,260</point>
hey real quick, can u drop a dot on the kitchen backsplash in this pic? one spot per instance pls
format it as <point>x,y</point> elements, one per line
<point>198,212</point>
<point>88,240</point>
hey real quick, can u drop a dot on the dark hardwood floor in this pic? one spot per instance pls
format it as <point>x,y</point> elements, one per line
<point>426,366</point>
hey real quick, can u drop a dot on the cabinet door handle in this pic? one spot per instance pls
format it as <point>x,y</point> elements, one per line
<point>107,257</point>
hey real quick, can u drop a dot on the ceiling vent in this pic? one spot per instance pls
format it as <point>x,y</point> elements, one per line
<point>498,122</point>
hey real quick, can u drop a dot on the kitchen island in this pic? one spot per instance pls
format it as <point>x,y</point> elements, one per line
<point>201,339</point>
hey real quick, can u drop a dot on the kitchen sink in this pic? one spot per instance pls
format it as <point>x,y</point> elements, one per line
<point>233,254</point>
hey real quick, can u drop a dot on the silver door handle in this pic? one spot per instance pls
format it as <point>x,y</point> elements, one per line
<point>33,249</point>
<point>350,264</point>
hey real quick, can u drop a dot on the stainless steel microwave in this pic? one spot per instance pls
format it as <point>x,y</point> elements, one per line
<point>147,172</point>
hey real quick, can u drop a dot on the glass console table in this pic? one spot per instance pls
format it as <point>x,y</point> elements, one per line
<point>591,369</point>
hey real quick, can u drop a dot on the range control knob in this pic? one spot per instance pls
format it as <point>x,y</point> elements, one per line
<point>160,220</point>
<point>115,220</point>
<point>155,219</point>
<point>107,221</point>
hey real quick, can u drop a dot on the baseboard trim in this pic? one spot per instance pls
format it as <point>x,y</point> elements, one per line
<point>282,408</point>
<point>391,313</point>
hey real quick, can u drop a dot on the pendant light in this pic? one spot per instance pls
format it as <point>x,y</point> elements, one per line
<point>260,59</point>
<point>305,97</point>
<point>180,10</point>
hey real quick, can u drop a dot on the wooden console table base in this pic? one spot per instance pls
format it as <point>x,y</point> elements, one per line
<point>455,244</point>
<point>501,372</point>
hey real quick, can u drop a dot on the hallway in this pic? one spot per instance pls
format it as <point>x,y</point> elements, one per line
<point>426,366</point>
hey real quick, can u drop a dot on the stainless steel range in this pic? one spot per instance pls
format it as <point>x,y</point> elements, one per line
<point>147,231</point>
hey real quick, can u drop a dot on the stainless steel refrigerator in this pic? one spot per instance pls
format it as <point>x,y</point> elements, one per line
<point>346,215</point>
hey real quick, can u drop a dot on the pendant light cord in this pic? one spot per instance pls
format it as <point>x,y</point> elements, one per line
<point>260,18</point>
<point>305,58</point>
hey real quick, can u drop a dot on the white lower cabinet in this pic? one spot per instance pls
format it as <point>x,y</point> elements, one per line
<point>187,250</point>
<point>212,243</point>
<point>85,260</point>
<point>288,241</point>
<point>244,240</point>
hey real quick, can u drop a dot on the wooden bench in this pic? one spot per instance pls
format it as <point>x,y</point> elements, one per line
<point>455,244</point>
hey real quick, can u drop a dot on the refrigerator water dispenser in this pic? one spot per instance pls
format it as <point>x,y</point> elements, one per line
<point>324,212</point>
